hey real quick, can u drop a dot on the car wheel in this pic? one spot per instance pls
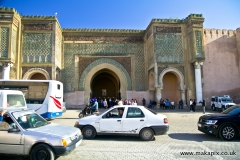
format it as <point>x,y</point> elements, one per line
<point>227,132</point>
<point>213,108</point>
<point>89,132</point>
<point>146,134</point>
<point>80,115</point>
<point>42,152</point>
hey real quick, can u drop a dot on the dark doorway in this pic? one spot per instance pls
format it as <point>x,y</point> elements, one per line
<point>105,83</point>
<point>38,76</point>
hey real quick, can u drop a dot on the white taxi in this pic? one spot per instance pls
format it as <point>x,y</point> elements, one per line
<point>130,120</point>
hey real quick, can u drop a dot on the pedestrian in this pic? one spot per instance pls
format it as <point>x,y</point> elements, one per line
<point>144,101</point>
<point>180,104</point>
<point>194,105</point>
<point>105,105</point>
<point>203,105</point>
<point>167,104</point>
<point>191,105</point>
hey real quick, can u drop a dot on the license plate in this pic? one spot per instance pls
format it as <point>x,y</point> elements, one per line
<point>78,143</point>
<point>199,125</point>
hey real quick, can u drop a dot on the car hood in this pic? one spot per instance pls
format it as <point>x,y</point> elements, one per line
<point>56,130</point>
<point>89,118</point>
<point>215,115</point>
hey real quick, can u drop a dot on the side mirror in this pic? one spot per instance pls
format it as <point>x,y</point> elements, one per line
<point>11,130</point>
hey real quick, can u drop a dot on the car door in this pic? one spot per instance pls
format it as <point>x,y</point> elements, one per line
<point>135,119</point>
<point>111,122</point>
<point>10,142</point>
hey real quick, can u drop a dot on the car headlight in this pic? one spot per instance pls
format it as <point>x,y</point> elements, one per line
<point>66,141</point>
<point>211,121</point>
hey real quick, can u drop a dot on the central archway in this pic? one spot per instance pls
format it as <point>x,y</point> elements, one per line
<point>105,83</point>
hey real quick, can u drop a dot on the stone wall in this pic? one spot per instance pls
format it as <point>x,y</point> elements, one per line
<point>221,67</point>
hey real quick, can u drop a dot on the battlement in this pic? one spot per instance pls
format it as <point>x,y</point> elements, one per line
<point>219,32</point>
<point>39,17</point>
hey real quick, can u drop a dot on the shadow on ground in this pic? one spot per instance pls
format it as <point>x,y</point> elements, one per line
<point>198,137</point>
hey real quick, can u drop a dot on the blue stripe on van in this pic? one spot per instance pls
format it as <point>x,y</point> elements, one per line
<point>51,115</point>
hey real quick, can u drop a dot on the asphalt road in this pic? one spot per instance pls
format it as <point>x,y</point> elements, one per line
<point>182,138</point>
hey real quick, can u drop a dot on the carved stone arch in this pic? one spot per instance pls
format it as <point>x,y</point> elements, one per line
<point>104,63</point>
<point>176,72</point>
<point>119,69</point>
<point>32,71</point>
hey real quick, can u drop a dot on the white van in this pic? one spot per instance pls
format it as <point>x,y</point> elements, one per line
<point>12,99</point>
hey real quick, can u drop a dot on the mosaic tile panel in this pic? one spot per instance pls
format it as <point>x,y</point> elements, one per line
<point>124,61</point>
<point>190,37</point>
<point>198,35</point>
<point>4,42</point>
<point>48,69</point>
<point>58,50</point>
<point>105,38</point>
<point>37,27</point>
<point>14,43</point>
<point>35,45</point>
<point>102,49</point>
<point>150,51</point>
<point>101,61</point>
<point>163,29</point>
<point>168,48</point>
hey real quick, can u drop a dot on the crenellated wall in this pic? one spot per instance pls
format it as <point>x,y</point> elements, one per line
<point>221,74</point>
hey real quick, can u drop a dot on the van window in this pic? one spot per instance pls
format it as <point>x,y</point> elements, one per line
<point>58,86</point>
<point>15,100</point>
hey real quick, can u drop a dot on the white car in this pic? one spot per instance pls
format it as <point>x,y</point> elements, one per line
<point>135,121</point>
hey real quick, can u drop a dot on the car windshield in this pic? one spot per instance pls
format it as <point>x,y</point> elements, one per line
<point>29,119</point>
<point>227,100</point>
<point>232,110</point>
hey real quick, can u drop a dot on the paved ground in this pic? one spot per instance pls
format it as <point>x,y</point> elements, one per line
<point>183,136</point>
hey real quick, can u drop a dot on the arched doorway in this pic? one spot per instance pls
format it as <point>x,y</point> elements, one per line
<point>38,76</point>
<point>105,83</point>
<point>171,88</point>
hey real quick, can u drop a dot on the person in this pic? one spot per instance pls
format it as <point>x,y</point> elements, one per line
<point>135,102</point>
<point>120,112</point>
<point>144,101</point>
<point>194,105</point>
<point>2,112</point>
<point>120,102</point>
<point>162,104</point>
<point>180,104</point>
<point>150,104</point>
<point>105,105</point>
<point>191,105</point>
<point>94,107</point>
<point>203,105</point>
<point>154,103</point>
<point>167,104</point>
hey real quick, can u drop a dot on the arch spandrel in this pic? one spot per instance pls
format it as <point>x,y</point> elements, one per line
<point>32,71</point>
<point>105,63</point>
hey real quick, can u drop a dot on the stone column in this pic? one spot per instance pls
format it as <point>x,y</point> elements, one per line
<point>183,96</point>
<point>158,96</point>
<point>198,80</point>
<point>6,70</point>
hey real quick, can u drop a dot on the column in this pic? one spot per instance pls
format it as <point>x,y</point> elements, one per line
<point>198,80</point>
<point>158,96</point>
<point>183,96</point>
<point>6,70</point>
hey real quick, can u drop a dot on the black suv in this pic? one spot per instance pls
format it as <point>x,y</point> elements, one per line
<point>225,125</point>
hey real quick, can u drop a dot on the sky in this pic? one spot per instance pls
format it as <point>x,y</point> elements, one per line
<point>129,14</point>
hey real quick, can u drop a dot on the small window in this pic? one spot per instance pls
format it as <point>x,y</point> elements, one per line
<point>58,86</point>
<point>135,113</point>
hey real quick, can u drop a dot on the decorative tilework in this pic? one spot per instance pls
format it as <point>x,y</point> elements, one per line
<point>150,51</point>
<point>58,50</point>
<point>103,49</point>
<point>163,29</point>
<point>190,36</point>
<point>37,44</point>
<point>198,35</point>
<point>105,38</point>
<point>13,45</point>
<point>26,69</point>
<point>37,27</point>
<point>4,42</point>
<point>169,48</point>
<point>100,61</point>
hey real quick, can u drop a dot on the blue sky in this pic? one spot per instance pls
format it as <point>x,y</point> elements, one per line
<point>129,14</point>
